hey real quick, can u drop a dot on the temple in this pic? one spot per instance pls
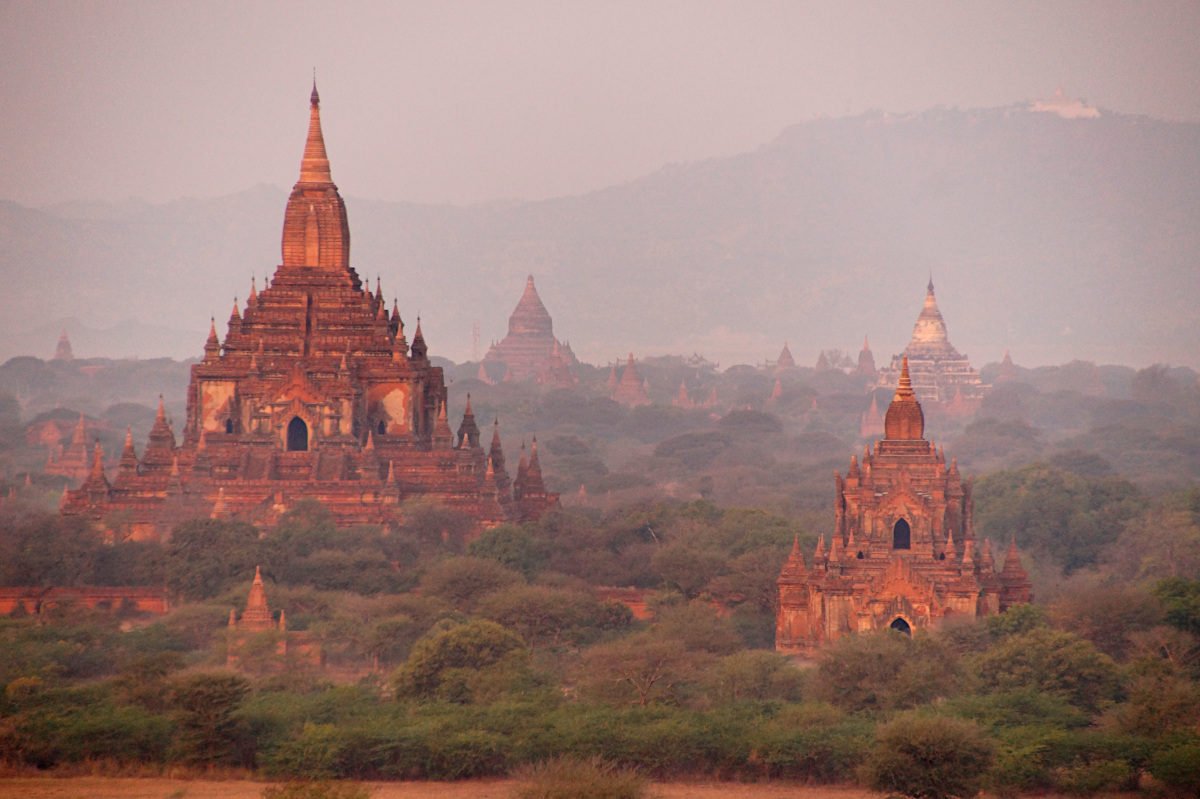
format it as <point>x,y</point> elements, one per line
<point>315,393</point>
<point>530,349</point>
<point>257,619</point>
<point>631,390</point>
<point>63,351</point>
<point>73,461</point>
<point>939,372</point>
<point>903,553</point>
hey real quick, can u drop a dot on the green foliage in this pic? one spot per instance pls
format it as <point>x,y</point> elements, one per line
<point>207,557</point>
<point>545,616</point>
<point>753,676</point>
<point>1178,767</point>
<point>44,550</point>
<point>464,582</point>
<point>928,757</point>
<point>1181,603</point>
<point>639,669</point>
<point>1109,616</point>
<point>1092,777</point>
<point>510,546</point>
<point>1065,517</point>
<point>573,778</point>
<point>1161,701</point>
<point>210,732</point>
<point>885,671</point>
<point>1017,708</point>
<point>439,658</point>
<point>1053,662</point>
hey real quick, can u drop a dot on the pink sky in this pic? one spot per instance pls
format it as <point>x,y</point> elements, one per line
<point>465,102</point>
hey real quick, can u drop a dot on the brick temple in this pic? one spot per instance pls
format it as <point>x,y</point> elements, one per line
<point>530,349</point>
<point>940,373</point>
<point>903,553</point>
<point>315,393</point>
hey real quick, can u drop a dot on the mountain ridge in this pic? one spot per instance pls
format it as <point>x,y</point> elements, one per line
<point>1055,238</point>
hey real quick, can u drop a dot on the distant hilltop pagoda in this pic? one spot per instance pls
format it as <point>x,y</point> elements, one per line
<point>63,351</point>
<point>315,393</point>
<point>903,553</point>
<point>530,349</point>
<point>940,373</point>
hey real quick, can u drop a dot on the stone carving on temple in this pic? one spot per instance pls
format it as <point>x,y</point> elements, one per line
<point>939,371</point>
<point>903,552</point>
<point>314,393</point>
<point>530,349</point>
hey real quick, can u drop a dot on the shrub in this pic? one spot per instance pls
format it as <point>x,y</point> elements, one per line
<point>885,671</point>
<point>572,778</point>
<point>1088,779</point>
<point>317,790</point>
<point>1178,768</point>
<point>928,757</point>
<point>448,649</point>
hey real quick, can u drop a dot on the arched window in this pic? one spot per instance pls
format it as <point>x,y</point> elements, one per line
<point>902,535</point>
<point>297,435</point>
<point>382,427</point>
<point>228,425</point>
<point>901,626</point>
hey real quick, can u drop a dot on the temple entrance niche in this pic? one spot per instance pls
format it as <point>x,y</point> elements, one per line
<point>901,626</point>
<point>297,435</point>
<point>902,535</point>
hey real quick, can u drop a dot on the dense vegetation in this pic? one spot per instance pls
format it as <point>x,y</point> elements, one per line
<point>449,655</point>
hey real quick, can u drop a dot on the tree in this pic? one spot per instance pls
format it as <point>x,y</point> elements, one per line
<point>207,557</point>
<point>1181,603</point>
<point>1063,516</point>
<point>753,675</point>
<point>1050,661</point>
<point>698,627</point>
<point>45,550</point>
<point>1164,542</point>
<point>509,546</point>
<point>210,732</point>
<point>542,616</point>
<point>885,671</point>
<point>465,581</point>
<point>449,646</point>
<point>639,669</point>
<point>928,757</point>
<point>1108,616</point>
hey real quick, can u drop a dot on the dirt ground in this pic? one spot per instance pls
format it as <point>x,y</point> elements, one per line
<point>134,788</point>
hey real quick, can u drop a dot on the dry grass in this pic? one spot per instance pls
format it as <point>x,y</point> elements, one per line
<point>133,788</point>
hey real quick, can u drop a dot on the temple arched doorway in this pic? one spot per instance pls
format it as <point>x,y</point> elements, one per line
<point>901,626</point>
<point>902,535</point>
<point>297,435</point>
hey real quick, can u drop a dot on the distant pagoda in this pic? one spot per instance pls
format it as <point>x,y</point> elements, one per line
<point>530,349</point>
<point>940,373</point>
<point>631,390</point>
<point>63,351</point>
<point>315,393</point>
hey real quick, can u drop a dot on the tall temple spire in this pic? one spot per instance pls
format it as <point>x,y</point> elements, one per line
<point>930,328</point>
<point>904,419</point>
<point>316,232</point>
<point>314,166</point>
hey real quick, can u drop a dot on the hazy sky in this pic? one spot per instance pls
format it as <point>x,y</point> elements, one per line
<point>463,102</point>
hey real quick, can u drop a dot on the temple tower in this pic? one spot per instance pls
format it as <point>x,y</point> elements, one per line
<point>902,551</point>
<point>315,393</point>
